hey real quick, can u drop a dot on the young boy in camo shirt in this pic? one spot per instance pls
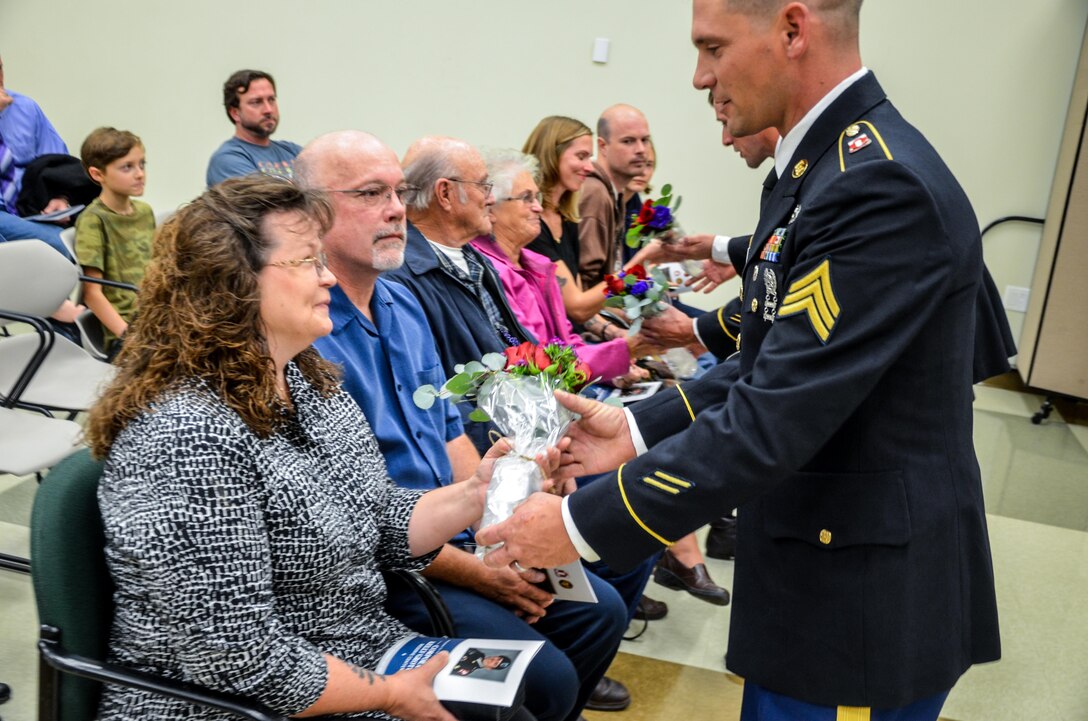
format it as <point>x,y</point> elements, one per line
<point>113,235</point>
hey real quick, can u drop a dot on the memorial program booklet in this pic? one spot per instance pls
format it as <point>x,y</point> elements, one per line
<point>636,392</point>
<point>480,670</point>
<point>568,583</point>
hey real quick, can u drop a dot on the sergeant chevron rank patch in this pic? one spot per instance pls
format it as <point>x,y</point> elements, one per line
<point>813,296</point>
<point>669,484</point>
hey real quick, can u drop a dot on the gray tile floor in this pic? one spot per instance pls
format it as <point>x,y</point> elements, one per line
<point>1036,483</point>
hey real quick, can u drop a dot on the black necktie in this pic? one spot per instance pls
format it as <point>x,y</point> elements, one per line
<point>768,186</point>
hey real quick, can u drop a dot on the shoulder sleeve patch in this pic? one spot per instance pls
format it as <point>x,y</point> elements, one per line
<point>857,138</point>
<point>813,296</point>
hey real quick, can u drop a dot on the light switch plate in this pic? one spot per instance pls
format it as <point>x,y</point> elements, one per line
<point>600,50</point>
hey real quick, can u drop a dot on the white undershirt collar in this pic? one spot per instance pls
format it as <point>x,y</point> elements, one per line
<point>788,145</point>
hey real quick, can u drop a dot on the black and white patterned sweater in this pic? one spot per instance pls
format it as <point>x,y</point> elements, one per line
<point>239,561</point>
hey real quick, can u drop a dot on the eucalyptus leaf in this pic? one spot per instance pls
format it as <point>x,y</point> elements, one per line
<point>635,326</point>
<point>494,361</point>
<point>630,280</point>
<point>630,301</point>
<point>677,206</point>
<point>479,416</point>
<point>614,302</point>
<point>474,367</point>
<point>634,312</point>
<point>424,396</point>
<point>459,368</point>
<point>666,189</point>
<point>665,200</point>
<point>460,384</point>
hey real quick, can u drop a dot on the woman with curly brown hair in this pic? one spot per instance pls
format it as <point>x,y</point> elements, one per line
<point>247,508</point>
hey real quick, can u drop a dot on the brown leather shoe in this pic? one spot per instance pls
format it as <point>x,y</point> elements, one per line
<point>671,573</point>
<point>650,610</point>
<point>609,695</point>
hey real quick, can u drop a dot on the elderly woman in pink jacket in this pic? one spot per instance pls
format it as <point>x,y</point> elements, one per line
<point>529,278</point>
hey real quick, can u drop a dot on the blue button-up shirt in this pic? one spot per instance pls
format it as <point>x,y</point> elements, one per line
<point>384,361</point>
<point>28,133</point>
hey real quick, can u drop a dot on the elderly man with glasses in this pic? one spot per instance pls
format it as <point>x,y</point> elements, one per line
<point>459,290</point>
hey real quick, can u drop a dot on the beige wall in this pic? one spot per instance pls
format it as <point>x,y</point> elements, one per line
<point>988,82</point>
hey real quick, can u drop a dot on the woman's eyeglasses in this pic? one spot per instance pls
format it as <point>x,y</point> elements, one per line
<point>528,198</point>
<point>320,262</point>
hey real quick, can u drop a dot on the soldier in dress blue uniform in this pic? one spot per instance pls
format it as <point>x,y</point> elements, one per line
<point>842,429</point>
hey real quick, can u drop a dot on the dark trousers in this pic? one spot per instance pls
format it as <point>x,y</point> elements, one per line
<point>759,704</point>
<point>581,639</point>
<point>631,584</point>
<point>628,585</point>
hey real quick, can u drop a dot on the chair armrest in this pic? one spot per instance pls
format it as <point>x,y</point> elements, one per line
<point>76,665</point>
<point>110,283</point>
<point>45,344</point>
<point>441,620</point>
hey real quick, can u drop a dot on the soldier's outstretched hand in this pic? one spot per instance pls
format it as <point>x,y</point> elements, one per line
<point>599,441</point>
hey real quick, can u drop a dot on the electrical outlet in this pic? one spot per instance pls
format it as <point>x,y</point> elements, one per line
<point>1016,298</point>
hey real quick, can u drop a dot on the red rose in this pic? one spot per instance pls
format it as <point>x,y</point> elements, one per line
<point>638,271</point>
<point>613,284</point>
<point>518,355</point>
<point>646,214</point>
<point>584,370</point>
<point>541,359</point>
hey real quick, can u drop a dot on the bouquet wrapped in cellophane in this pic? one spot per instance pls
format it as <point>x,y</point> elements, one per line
<point>516,391</point>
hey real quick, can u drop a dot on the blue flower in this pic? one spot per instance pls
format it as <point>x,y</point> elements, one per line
<point>662,218</point>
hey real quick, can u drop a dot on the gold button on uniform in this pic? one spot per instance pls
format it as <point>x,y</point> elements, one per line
<point>755,305</point>
<point>800,168</point>
<point>825,537</point>
<point>853,130</point>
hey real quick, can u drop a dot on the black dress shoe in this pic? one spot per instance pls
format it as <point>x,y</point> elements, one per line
<point>721,539</point>
<point>610,695</point>
<point>671,573</point>
<point>651,610</point>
